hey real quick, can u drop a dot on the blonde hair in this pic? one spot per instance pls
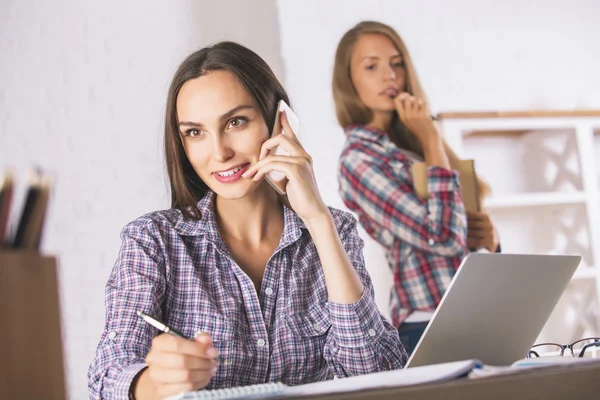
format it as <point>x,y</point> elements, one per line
<point>350,109</point>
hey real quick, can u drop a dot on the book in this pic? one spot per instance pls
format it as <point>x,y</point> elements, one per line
<point>379,380</point>
<point>529,364</point>
<point>469,185</point>
<point>6,193</point>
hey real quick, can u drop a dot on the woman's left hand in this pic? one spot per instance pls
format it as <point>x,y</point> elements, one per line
<point>302,191</point>
<point>481,232</point>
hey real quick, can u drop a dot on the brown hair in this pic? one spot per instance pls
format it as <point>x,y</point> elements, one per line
<point>350,109</point>
<point>254,75</point>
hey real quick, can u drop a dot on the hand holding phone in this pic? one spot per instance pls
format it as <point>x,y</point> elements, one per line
<point>278,179</point>
<point>290,174</point>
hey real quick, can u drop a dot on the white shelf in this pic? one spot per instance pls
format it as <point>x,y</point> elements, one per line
<point>584,273</point>
<point>584,126</point>
<point>535,200</point>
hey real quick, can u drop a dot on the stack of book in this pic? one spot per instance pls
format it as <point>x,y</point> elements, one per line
<point>26,234</point>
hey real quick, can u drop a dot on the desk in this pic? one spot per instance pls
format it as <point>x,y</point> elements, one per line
<point>573,381</point>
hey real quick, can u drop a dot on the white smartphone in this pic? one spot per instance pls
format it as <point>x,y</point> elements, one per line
<point>278,179</point>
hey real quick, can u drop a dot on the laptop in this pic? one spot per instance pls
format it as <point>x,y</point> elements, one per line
<point>494,308</point>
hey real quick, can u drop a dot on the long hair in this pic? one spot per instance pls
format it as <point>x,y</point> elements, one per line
<point>255,76</point>
<point>350,109</point>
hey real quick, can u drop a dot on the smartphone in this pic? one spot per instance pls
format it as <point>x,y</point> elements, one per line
<point>277,179</point>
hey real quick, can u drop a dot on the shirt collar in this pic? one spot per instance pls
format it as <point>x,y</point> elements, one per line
<point>364,132</point>
<point>292,227</point>
<point>207,226</point>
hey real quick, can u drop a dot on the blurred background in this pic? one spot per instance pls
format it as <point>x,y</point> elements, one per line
<point>83,88</point>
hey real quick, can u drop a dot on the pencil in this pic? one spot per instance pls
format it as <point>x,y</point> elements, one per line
<point>164,328</point>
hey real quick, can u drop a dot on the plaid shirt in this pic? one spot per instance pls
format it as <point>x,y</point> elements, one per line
<point>425,239</point>
<point>181,271</point>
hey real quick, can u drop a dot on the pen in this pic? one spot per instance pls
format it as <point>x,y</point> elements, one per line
<point>164,328</point>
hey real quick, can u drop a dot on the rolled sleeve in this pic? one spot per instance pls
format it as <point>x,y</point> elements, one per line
<point>357,324</point>
<point>361,340</point>
<point>136,284</point>
<point>441,180</point>
<point>122,387</point>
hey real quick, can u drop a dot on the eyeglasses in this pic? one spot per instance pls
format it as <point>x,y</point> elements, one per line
<point>584,348</point>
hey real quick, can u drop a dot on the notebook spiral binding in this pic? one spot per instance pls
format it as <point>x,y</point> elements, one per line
<point>240,392</point>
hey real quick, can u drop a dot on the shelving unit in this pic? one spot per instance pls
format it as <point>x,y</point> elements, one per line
<point>535,200</point>
<point>571,188</point>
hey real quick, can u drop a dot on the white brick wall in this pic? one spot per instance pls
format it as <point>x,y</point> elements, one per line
<point>82,91</point>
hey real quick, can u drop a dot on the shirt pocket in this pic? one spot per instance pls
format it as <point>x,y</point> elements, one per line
<point>190,324</point>
<point>307,337</point>
<point>400,168</point>
<point>221,331</point>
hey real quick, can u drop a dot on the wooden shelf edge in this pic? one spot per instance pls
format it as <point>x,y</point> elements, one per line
<point>517,114</point>
<point>536,199</point>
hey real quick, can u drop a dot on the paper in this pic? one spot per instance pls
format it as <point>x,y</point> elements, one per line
<point>527,364</point>
<point>387,379</point>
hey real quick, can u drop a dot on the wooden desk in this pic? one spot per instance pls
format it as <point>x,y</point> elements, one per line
<point>574,381</point>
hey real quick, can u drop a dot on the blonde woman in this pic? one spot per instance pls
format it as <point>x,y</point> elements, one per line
<point>383,110</point>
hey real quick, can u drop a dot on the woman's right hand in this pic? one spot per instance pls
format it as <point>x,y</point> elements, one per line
<point>415,114</point>
<point>177,365</point>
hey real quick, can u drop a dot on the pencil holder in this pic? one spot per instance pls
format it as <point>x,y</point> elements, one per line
<point>31,357</point>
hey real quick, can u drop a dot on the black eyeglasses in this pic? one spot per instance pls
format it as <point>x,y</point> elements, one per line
<point>585,348</point>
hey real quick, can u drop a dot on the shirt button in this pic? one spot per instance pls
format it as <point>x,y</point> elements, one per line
<point>317,327</point>
<point>268,291</point>
<point>112,335</point>
<point>260,343</point>
<point>431,242</point>
<point>372,332</point>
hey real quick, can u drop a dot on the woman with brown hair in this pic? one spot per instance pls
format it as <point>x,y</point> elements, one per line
<point>279,292</point>
<point>381,106</point>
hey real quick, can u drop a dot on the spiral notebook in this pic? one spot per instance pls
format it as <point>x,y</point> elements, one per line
<point>261,391</point>
<point>380,380</point>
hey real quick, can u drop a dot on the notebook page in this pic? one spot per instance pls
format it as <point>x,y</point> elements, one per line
<point>388,379</point>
